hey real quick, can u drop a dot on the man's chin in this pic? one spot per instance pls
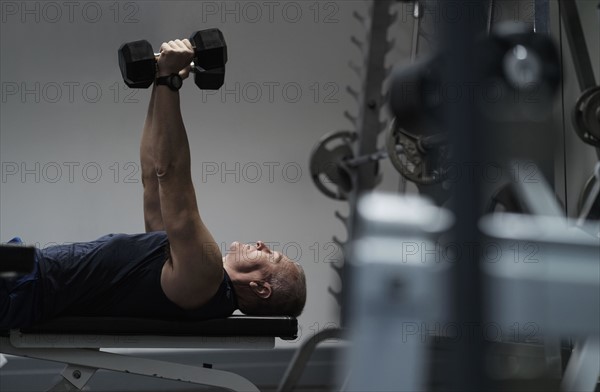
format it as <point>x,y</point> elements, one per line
<point>234,245</point>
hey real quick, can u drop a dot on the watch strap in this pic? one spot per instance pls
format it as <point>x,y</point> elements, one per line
<point>166,81</point>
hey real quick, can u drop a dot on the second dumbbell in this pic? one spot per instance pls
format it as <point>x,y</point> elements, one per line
<point>137,61</point>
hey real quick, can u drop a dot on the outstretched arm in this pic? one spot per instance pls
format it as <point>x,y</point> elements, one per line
<point>152,214</point>
<point>195,270</point>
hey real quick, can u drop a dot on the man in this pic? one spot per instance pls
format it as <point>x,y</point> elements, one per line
<point>175,270</point>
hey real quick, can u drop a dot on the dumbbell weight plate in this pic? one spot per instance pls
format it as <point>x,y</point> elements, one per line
<point>210,48</point>
<point>416,165</point>
<point>137,64</point>
<point>211,79</point>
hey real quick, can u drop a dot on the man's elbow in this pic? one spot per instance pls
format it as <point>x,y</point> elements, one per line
<point>170,169</point>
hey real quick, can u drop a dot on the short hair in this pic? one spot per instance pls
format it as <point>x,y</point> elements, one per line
<point>288,295</point>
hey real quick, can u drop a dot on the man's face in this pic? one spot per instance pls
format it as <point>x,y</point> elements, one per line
<point>258,257</point>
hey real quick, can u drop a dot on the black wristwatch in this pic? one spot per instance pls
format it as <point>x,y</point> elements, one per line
<point>173,81</point>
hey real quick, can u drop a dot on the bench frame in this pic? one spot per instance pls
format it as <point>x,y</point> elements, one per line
<point>81,354</point>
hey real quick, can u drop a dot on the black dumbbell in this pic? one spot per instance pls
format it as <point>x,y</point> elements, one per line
<point>137,61</point>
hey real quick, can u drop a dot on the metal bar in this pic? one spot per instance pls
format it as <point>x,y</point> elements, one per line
<point>414,50</point>
<point>592,199</point>
<point>415,33</point>
<point>491,14</point>
<point>541,22</point>
<point>368,122</point>
<point>577,44</point>
<point>536,195</point>
<point>301,357</point>
<point>463,123</point>
<point>376,156</point>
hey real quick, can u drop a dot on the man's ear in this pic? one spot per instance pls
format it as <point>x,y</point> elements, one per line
<point>263,289</point>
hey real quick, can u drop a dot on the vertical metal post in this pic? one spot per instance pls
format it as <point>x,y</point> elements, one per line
<point>461,22</point>
<point>542,17</point>
<point>491,15</point>
<point>576,38</point>
<point>368,124</point>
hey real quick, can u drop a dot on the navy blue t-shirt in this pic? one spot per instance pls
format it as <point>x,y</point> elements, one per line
<point>115,275</point>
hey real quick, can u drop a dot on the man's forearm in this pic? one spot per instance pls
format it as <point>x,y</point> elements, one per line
<point>152,213</point>
<point>171,150</point>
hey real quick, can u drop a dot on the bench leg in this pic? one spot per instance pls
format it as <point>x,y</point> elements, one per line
<point>63,386</point>
<point>74,378</point>
<point>303,354</point>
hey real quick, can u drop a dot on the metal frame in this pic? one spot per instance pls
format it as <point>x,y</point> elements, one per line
<point>368,125</point>
<point>549,291</point>
<point>578,47</point>
<point>593,197</point>
<point>303,354</point>
<point>82,356</point>
<point>576,38</point>
<point>397,289</point>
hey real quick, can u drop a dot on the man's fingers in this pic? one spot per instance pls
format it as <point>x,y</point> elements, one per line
<point>177,44</point>
<point>164,46</point>
<point>185,45</point>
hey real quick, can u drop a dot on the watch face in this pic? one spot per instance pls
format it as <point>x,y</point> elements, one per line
<point>176,81</point>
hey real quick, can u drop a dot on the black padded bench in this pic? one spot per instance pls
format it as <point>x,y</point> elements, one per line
<point>76,341</point>
<point>282,327</point>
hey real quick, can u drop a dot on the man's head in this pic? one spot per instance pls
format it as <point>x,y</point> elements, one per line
<point>266,283</point>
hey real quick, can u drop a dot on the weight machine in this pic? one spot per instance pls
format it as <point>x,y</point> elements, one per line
<point>387,291</point>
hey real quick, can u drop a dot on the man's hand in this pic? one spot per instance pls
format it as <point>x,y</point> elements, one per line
<point>175,57</point>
